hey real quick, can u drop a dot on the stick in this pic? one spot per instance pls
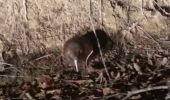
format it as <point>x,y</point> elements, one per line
<point>88,58</point>
<point>98,44</point>
<point>166,13</point>
<point>145,90</point>
<point>45,56</point>
<point>11,76</point>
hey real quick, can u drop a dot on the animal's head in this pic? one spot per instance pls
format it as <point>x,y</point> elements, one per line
<point>71,53</point>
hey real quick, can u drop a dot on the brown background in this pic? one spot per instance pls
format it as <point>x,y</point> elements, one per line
<point>36,24</point>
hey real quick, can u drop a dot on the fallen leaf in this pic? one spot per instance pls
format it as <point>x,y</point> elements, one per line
<point>164,61</point>
<point>107,91</point>
<point>137,68</point>
<point>45,81</point>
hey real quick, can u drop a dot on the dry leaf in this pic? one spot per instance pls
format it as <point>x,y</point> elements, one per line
<point>137,68</point>
<point>45,82</point>
<point>164,61</point>
<point>117,76</point>
<point>107,91</point>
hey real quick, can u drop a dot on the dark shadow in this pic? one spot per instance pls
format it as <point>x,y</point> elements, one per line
<point>105,41</point>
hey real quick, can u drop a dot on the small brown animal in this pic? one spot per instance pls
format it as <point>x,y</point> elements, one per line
<point>83,48</point>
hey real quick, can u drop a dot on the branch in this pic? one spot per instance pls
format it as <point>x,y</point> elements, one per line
<point>45,56</point>
<point>166,13</point>
<point>145,90</point>
<point>98,44</point>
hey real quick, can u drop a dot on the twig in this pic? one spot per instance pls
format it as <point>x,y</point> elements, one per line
<point>98,44</point>
<point>11,66</point>
<point>145,90</point>
<point>101,15</point>
<point>88,57</point>
<point>166,13</point>
<point>113,95</point>
<point>4,63</point>
<point>142,10</point>
<point>42,57</point>
<point>56,91</point>
<point>25,10</point>
<point>29,96</point>
<point>11,76</point>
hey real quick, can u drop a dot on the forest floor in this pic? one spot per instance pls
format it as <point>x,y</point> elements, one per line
<point>135,74</point>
